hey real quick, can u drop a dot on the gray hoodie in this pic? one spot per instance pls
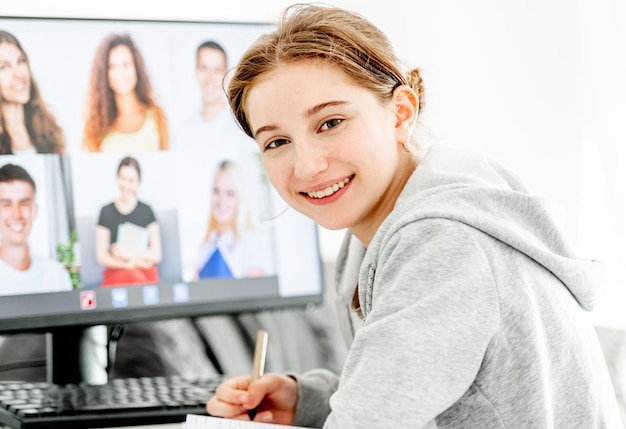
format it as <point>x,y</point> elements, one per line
<point>474,314</point>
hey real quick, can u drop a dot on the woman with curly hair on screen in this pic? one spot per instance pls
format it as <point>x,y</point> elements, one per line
<point>26,125</point>
<point>122,114</point>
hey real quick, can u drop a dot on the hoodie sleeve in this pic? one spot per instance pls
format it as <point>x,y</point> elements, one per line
<point>314,390</point>
<point>431,310</point>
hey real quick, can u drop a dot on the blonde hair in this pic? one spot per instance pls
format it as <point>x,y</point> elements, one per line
<point>329,34</point>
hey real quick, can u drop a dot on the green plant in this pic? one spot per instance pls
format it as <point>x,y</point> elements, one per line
<point>67,256</point>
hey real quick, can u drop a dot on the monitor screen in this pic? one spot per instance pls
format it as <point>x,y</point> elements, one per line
<point>127,191</point>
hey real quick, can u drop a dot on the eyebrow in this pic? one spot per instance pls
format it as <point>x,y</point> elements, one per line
<point>313,110</point>
<point>310,112</point>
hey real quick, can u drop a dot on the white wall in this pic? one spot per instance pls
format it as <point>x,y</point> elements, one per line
<point>539,84</point>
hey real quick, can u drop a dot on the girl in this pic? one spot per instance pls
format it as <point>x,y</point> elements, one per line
<point>470,304</point>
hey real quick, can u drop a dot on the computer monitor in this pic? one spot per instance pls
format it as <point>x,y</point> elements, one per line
<point>127,192</point>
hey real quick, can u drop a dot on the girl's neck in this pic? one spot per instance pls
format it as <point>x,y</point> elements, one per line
<point>365,231</point>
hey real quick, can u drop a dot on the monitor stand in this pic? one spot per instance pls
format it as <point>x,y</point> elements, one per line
<point>77,354</point>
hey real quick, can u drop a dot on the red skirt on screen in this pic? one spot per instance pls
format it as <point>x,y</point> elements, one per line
<point>129,276</point>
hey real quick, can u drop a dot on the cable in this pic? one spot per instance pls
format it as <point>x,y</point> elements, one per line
<point>116,333</point>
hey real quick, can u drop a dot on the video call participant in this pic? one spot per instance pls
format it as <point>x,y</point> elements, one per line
<point>134,260</point>
<point>122,114</point>
<point>470,307</point>
<point>232,247</point>
<point>212,126</point>
<point>20,271</point>
<point>26,125</point>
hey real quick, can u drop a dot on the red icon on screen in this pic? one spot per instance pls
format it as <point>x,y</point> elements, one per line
<point>88,300</point>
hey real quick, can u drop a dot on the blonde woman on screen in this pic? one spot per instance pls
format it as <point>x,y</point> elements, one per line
<point>122,114</point>
<point>26,125</point>
<point>231,247</point>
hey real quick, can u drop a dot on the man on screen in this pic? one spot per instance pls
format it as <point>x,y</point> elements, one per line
<point>21,272</point>
<point>211,127</point>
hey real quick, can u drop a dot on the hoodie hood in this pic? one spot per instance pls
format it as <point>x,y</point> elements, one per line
<point>477,191</point>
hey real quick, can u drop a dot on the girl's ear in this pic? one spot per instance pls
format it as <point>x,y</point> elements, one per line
<point>406,106</point>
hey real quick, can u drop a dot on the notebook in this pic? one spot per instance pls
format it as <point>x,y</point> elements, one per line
<point>195,421</point>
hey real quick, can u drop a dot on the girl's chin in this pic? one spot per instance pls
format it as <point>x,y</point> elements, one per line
<point>331,224</point>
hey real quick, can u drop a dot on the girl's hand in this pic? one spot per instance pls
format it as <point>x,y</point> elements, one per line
<point>273,395</point>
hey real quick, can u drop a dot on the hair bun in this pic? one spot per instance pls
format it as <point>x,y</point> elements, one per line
<point>415,81</point>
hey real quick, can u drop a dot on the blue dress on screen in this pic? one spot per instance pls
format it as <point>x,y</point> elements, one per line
<point>226,256</point>
<point>216,266</point>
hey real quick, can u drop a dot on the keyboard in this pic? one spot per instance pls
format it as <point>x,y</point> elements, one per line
<point>120,402</point>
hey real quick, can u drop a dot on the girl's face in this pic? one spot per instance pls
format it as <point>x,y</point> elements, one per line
<point>329,147</point>
<point>128,181</point>
<point>122,73</point>
<point>14,75</point>
<point>224,198</point>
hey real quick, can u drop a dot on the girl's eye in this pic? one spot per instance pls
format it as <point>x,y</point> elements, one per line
<point>276,143</point>
<point>330,124</point>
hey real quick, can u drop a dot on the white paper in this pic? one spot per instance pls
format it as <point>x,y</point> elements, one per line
<point>133,239</point>
<point>195,421</point>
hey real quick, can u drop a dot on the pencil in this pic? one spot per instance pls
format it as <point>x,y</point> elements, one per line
<point>258,366</point>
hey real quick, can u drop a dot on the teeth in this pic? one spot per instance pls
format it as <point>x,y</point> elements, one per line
<point>330,190</point>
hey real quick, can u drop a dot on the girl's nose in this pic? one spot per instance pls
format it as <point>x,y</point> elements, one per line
<point>310,159</point>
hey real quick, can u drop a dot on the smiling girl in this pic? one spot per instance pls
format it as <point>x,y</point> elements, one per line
<point>469,305</point>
